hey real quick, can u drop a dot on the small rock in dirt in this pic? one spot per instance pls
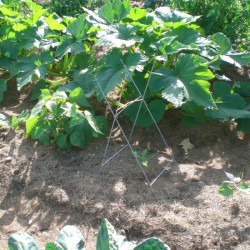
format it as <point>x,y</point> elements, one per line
<point>8,159</point>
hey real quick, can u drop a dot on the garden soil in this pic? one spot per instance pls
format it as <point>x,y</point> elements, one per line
<point>42,189</point>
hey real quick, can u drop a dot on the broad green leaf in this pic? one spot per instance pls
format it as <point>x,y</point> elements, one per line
<point>38,108</point>
<point>156,107</point>
<point>81,134</point>
<point>226,190</point>
<point>54,24</point>
<point>188,81</point>
<point>79,28</point>
<point>117,67</point>
<point>3,88</point>
<point>92,121</point>
<point>21,241</point>
<point>229,105</point>
<point>69,109</point>
<point>36,91</point>
<point>8,11</point>
<point>166,14</point>
<point>31,66</point>
<point>77,96</point>
<point>102,125</point>
<point>119,35</point>
<point>31,124</point>
<point>222,42</point>
<point>108,239</point>
<point>50,246</point>
<point>184,34</point>
<point>107,12</point>
<point>70,238</point>
<point>70,46</point>
<point>236,59</point>
<point>243,88</point>
<point>137,14</point>
<point>152,244</point>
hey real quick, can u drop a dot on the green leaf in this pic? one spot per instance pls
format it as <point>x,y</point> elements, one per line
<point>119,35</point>
<point>92,121</point>
<point>229,105</point>
<point>107,12</point>
<point>226,190</point>
<point>38,108</point>
<point>115,10</point>
<point>157,108</point>
<point>137,14</point>
<point>242,88</point>
<point>244,186</point>
<point>3,88</point>
<point>236,59</point>
<point>54,24</point>
<point>188,81</point>
<point>108,239</point>
<point>81,134</point>
<point>166,14</point>
<point>222,42</point>
<point>79,28</point>
<point>77,96</point>
<point>50,246</point>
<point>70,238</point>
<point>69,45</point>
<point>152,244</point>
<point>22,241</point>
<point>28,67</point>
<point>102,125</point>
<point>115,69</point>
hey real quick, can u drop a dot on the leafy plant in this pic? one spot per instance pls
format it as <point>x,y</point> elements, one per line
<point>70,238</point>
<point>229,17</point>
<point>59,116</point>
<point>228,188</point>
<point>143,158</point>
<point>162,56</point>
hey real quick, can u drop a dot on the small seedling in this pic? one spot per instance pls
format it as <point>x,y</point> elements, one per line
<point>227,188</point>
<point>143,158</point>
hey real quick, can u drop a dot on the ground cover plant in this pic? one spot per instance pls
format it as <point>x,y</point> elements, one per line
<point>70,238</point>
<point>163,54</point>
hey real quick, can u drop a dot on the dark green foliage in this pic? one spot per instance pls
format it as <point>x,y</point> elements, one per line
<point>70,238</point>
<point>163,50</point>
<point>231,17</point>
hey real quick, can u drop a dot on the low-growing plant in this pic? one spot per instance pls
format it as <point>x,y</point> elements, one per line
<point>143,158</point>
<point>228,188</point>
<point>70,238</point>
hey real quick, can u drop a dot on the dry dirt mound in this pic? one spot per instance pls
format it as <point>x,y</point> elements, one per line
<point>43,189</point>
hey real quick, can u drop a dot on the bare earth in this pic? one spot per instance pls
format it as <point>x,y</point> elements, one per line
<point>43,189</point>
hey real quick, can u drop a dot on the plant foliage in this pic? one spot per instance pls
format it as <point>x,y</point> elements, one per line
<point>161,54</point>
<point>70,238</point>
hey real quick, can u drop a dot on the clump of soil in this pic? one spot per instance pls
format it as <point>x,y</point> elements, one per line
<point>43,189</point>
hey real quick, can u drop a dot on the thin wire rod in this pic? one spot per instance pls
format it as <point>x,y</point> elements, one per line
<point>113,156</point>
<point>148,107</point>
<point>158,176</point>
<point>128,143</point>
<point>111,130</point>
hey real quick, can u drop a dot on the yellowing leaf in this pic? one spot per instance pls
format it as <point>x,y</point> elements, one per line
<point>187,145</point>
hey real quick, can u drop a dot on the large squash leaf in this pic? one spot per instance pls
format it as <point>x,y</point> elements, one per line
<point>188,81</point>
<point>229,105</point>
<point>117,67</point>
<point>119,35</point>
